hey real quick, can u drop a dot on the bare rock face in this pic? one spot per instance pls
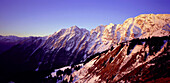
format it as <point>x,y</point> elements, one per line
<point>139,60</point>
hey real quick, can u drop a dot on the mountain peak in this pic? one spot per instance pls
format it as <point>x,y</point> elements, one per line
<point>111,24</point>
<point>74,27</point>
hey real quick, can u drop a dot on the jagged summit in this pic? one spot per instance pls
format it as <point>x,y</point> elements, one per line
<point>74,27</point>
<point>142,26</point>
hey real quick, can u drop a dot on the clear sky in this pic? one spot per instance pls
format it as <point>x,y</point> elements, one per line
<point>44,17</point>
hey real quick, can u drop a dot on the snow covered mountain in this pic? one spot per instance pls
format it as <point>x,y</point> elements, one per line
<point>73,45</point>
<point>77,44</point>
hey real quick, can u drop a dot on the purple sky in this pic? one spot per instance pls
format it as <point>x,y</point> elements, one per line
<point>44,17</point>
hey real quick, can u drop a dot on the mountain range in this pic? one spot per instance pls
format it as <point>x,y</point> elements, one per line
<point>133,45</point>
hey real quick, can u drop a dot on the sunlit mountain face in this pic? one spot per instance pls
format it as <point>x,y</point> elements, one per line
<point>135,51</point>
